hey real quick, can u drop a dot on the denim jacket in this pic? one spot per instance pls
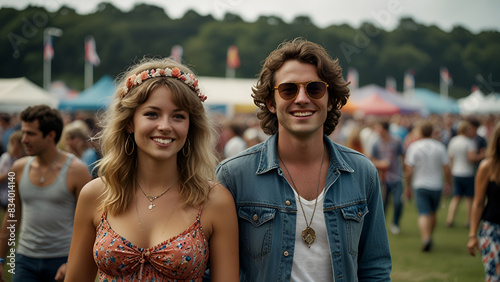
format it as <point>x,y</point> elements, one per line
<point>267,211</point>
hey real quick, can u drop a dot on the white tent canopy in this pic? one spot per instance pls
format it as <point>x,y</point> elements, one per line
<point>478,103</point>
<point>16,94</point>
<point>228,92</point>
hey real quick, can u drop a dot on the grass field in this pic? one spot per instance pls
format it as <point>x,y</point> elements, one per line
<point>448,260</point>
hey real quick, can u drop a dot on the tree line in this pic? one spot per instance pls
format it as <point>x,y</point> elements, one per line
<point>123,38</point>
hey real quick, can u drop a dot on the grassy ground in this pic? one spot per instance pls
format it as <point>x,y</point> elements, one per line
<point>448,259</point>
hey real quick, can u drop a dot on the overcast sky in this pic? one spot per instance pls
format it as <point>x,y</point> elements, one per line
<point>475,15</point>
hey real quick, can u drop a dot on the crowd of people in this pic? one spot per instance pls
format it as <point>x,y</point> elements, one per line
<point>159,189</point>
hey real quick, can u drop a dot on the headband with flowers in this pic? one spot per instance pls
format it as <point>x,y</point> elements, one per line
<point>188,78</point>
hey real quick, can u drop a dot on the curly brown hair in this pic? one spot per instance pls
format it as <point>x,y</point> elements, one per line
<point>329,70</point>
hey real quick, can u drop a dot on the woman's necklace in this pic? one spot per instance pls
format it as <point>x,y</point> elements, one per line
<point>308,234</point>
<point>139,219</point>
<point>42,179</point>
<point>152,198</point>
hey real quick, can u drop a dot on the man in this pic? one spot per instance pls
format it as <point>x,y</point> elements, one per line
<point>46,187</point>
<point>387,155</point>
<point>232,132</point>
<point>309,209</point>
<point>463,155</point>
<point>426,161</point>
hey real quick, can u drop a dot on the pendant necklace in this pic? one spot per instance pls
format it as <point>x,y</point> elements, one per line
<point>139,219</point>
<point>308,234</point>
<point>152,198</point>
<point>42,179</point>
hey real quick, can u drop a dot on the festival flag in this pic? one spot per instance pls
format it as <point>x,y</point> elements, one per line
<point>90,51</point>
<point>445,76</point>
<point>176,53</point>
<point>353,77</point>
<point>233,60</point>
<point>48,50</point>
<point>390,84</point>
<point>474,88</point>
<point>409,80</point>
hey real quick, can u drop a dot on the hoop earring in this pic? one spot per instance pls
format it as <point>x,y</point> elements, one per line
<point>127,144</point>
<point>188,146</point>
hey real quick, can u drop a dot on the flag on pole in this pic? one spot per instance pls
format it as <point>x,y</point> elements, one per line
<point>390,84</point>
<point>176,53</point>
<point>48,50</point>
<point>233,60</point>
<point>90,51</point>
<point>445,76</point>
<point>409,80</point>
<point>474,88</point>
<point>353,77</point>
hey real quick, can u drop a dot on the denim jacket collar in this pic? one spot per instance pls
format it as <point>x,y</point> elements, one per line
<point>269,156</point>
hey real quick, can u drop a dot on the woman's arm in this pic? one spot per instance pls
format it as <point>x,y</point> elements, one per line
<point>481,183</point>
<point>224,248</point>
<point>81,265</point>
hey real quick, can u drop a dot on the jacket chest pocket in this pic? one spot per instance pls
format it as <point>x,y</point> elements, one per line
<point>255,225</point>
<point>353,217</point>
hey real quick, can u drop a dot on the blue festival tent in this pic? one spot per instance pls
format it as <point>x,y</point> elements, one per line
<point>435,103</point>
<point>98,97</point>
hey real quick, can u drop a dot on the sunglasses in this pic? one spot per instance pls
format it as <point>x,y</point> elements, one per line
<point>314,89</point>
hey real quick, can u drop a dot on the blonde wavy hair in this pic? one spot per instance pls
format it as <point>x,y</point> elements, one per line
<point>118,169</point>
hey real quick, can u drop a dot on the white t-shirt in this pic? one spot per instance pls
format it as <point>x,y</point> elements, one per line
<point>427,157</point>
<point>234,146</point>
<point>315,263</point>
<point>458,148</point>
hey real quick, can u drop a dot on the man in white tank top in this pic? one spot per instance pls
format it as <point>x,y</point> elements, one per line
<point>43,190</point>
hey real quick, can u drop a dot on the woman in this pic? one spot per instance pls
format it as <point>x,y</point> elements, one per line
<point>487,186</point>
<point>154,214</point>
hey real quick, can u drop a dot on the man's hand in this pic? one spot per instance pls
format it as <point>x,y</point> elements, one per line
<point>61,272</point>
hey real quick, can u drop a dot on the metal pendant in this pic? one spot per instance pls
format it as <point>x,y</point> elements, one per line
<point>308,235</point>
<point>151,206</point>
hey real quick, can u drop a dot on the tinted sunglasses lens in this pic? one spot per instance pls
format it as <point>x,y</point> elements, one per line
<point>287,91</point>
<point>316,89</point>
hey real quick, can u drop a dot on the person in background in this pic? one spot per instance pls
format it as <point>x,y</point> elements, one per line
<point>486,219</point>
<point>155,213</point>
<point>15,151</point>
<point>426,162</point>
<point>233,132</point>
<point>77,137</point>
<point>6,129</point>
<point>251,137</point>
<point>308,208</point>
<point>387,155</point>
<point>480,141</point>
<point>463,154</point>
<point>47,184</point>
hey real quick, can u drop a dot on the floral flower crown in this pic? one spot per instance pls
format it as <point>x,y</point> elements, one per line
<point>188,78</point>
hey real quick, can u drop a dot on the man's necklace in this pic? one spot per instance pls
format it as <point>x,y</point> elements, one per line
<point>152,198</point>
<point>42,179</point>
<point>308,234</point>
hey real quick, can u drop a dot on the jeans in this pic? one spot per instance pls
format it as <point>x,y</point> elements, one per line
<point>396,188</point>
<point>36,269</point>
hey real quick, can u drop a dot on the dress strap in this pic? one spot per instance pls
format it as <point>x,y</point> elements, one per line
<point>199,214</point>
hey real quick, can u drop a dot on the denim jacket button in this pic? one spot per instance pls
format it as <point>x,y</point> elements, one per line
<point>255,217</point>
<point>285,253</point>
<point>359,214</point>
<point>287,203</point>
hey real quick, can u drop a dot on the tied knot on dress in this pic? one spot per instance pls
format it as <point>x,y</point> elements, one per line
<point>145,255</point>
